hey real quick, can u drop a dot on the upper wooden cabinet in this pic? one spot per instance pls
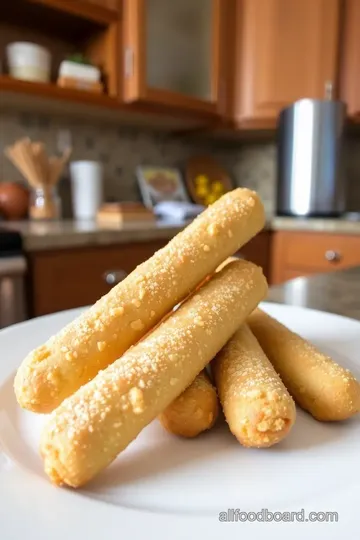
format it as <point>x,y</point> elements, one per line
<point>109,4</point>
<point>104,11</point>
<point>285,50</point>
<point>350,58</point>
<point>172,53</point>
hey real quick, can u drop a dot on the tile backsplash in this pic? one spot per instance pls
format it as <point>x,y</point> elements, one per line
<point>122,149</point>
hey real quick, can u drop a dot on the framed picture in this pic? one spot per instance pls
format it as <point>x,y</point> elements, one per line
<point>159,184</point>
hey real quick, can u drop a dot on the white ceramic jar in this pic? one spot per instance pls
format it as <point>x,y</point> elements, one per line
<point>28,61</point>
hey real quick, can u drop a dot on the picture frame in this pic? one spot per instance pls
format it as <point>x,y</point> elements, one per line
<point>159,184</point>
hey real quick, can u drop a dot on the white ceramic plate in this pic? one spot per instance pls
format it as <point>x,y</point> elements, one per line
<point>167,488</point>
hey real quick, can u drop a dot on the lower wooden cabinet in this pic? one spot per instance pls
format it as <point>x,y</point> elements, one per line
<point>258,251</point>
<point>297,254</point>
<point>70,278</point>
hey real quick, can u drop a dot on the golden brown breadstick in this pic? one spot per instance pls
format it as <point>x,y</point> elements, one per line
<point>258,408</point>
<point>90,428</point>
<point>226,262</point>
<point>68,360</point>
<point>194,411</point>
<point>319,385</point>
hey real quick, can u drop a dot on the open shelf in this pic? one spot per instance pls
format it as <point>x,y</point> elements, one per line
<point>80,9</point>
<point>54,92</point>
<point>48,98</point>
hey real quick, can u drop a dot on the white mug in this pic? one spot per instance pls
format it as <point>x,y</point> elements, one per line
<point>86,188</point>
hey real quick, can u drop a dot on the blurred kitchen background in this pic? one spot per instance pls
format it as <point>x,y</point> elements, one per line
<point>146,101</point>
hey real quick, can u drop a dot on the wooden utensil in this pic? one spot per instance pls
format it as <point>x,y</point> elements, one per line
<point>206,180</point>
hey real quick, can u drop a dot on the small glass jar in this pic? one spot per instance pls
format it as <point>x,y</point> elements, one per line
<point>45,204</point>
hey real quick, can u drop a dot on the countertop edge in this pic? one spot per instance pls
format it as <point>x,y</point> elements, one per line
<point>69,234</point>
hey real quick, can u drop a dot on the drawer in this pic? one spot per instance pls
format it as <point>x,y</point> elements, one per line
<point>66,279</point>
<point>320,251</point>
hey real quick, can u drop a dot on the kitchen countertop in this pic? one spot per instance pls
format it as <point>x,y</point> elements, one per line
<point>336,292</point>
<point>324,225</point>
<point>70,234</point>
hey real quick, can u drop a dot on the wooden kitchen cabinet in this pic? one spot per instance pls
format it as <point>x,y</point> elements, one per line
<point>350,58</point>
<point>258,251</point>
<point>285,50</point>
<point>297,254</point>
<point>70,278</point>
<point>172,53</point>
<point>102,11</point>
<point>109,4</point>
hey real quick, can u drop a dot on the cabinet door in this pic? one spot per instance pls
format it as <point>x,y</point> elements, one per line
<point>350,58</point>
<point>172,52</point>
<point>285,50</point>
<point>109,4</point>
<point>71,278</point>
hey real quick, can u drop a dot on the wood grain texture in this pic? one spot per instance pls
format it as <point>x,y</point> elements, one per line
<point>299,253</point>
<point>134,42</point>
<point>350,58</point>
<point>284,51</point>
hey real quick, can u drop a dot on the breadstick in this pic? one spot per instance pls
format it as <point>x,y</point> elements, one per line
<point>90,428</point>
<point>194,411</point>
<point>258,408</point>
<point>98,337</point>
<point>319,385</point>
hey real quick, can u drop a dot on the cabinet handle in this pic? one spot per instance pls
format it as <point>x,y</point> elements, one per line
<point>113,277</point>
<point>332,256</point>
<point>329,90</point>
<point>129,62</point>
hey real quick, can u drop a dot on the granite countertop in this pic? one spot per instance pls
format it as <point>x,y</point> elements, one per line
<point>336,292</point>
<point>69,234</point>
<point>325,225</point>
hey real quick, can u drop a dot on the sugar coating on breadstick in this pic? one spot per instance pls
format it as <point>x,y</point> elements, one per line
<point>194,411</point>
<point>90,428</point>
<point>318,384</point>
<point>257,406</point>
<point>99,336</point>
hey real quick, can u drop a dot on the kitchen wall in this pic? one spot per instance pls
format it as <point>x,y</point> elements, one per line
<point>122,149</point>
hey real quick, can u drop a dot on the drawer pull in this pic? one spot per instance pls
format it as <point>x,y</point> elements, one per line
<point>113,277</point>
<point>332,256</point>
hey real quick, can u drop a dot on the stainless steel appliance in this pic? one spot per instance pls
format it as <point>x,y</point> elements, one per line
<point>12,279</point>
<point>310,159</point>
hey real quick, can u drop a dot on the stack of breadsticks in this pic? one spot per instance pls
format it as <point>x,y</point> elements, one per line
<point>132,357</point>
